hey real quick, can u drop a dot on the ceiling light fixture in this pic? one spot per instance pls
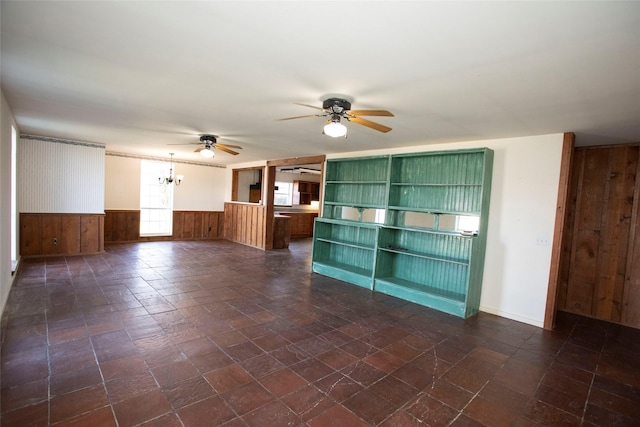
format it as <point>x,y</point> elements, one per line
<point>335,129</point>
<point>171,179</point>
<point>207,152</point>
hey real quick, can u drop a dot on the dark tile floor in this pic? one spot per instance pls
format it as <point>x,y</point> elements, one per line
<point>215,333</point>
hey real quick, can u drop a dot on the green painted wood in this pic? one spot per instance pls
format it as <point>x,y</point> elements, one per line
<point>426,265</point>
<point>357,169</point>
<point>406,291</point>
<point>345,272</point>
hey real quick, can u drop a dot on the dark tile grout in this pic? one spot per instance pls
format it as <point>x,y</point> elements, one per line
<point>328,300</point>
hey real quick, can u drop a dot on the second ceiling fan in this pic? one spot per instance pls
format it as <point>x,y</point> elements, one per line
<point>336,109</point>
<point>207,142</point>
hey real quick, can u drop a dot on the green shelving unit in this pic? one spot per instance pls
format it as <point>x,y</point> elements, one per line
<point>345,250</point>
<point>345,238</point>
<point>399,225</point>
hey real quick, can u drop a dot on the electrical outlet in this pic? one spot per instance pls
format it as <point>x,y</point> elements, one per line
<point>544,241</point>
<point>55,240</point>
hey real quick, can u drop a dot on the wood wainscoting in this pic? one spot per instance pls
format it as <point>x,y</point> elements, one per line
<point>123,226</point>
<point>301,223</point>
<point>46,234</point>
<point>244,223</point>
<point>600,274</point>
<point>198,225</point>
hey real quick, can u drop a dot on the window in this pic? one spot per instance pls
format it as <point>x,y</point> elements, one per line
<point>14,192</point>
<point>283,194</point>
<point>156,200</point>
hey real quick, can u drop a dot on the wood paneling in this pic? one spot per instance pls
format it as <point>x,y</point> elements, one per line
<point>559,250</point>
<point>45,234</point>
<point>124,226</point>
<point>281,231</point>
<point>197,225</point>
<point>244,223</point>
<point>301,223</point>
<point>598,278</point>
<point>121,226</point>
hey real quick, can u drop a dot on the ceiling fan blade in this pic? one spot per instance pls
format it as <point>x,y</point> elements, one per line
<point>299,117</point>
<point>199,149</point>
<point>225,149</point>
<point>186,143</point>
<point>369,124</point>
<point>370,113</point>
<point>229,146</point>
<point>307,105</point>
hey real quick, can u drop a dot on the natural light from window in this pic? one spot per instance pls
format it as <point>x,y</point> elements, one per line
<point>156,200</point>
<point>283,194</point>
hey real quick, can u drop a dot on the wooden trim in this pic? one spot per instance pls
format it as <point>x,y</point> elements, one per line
<point>568,144</point>
<point>269,197</point>
<point>234,184</point>
<point>297,161</point>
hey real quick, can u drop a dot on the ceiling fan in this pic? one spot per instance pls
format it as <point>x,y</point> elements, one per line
<point>207,142</point>
<point>336,109</point>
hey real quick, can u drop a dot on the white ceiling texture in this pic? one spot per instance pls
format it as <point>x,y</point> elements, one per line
<point>138,76</point>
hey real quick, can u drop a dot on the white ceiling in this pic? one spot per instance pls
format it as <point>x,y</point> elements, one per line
<point>137,76</point>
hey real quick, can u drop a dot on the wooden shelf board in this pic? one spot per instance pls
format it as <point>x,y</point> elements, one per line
<point>344,272</point>
<point>449,302</point>
<point>346,243</point>
<point>426,256</point>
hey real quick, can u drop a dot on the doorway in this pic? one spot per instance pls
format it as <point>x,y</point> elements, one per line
<point>296,189</point>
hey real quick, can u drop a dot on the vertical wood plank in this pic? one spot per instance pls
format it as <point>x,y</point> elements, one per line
<point>108,226</point>
<point>50,230</point>
<point>30,234</point>
<point>614,237</point>
<point>188,225</point>
<point>631,292</point>
<point>269,212</point>
<point>603,274</point>
<point>69,240</point>
<point>198,225</point>
<point>177,226</point>
<point>565,260</point>
<point>89,234</point>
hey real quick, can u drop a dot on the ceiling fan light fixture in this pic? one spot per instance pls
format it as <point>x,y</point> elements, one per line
<point>335,129</point>
<point>207,152</point>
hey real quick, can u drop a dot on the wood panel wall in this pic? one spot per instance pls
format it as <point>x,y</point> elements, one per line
<point>244,223</point>
<point>301,223</point>
<point>122,226</point>
<point>600,276</point>
<point>45,234</point>
<point>198,225</point>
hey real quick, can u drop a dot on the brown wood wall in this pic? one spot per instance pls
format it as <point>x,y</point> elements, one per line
<point>45,234</point>
<point>301,223</point>
<point>123,226</point>
<point>600,276</point>
<point>244,223</point>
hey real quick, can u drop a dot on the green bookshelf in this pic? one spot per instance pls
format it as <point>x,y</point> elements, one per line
<point>412,226</point>
<point>345,238</point>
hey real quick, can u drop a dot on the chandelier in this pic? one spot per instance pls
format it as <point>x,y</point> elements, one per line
<point>170,178</point>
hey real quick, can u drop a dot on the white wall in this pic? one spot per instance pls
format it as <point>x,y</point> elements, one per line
<point>57,176</point>
<point>526,173</point>
<point>202,189</point>
<point>229,176</point>
<point>6,278</point>
<point>121,183</point>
